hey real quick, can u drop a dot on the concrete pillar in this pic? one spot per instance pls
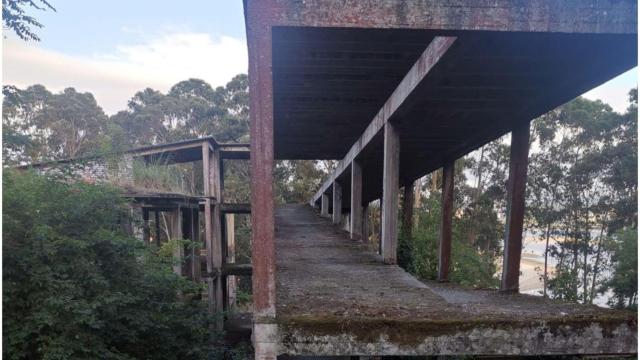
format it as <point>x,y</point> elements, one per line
<point>390,187</point>
<point>194,254</point>
<point>146,230</point>
<point>213,231</point>
<point>336,213</point>
<point>324,206</point>
<point>231,258</point>
<point>516,188</point>
<point>175,232</point>
<point>444,248</point>
<point>355,220</point>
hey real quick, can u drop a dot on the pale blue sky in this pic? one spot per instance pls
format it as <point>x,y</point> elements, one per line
<point>115,48</point>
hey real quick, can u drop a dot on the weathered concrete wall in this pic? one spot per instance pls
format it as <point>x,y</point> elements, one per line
<point>116,170</point>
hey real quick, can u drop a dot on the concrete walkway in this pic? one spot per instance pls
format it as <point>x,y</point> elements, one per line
<point>335,297</point>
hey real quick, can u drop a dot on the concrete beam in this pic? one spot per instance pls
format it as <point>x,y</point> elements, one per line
<point>336,213</point>
<point>516,188</point>
<point>390,188</point>
<point>444,248</point>
<point>355,220</point>
<point>418,72</point>
<point>566,16</point>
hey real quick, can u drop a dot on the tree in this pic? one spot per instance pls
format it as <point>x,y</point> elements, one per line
<point>14,17</point>
<point>45,126</point>
<point>624,282</point>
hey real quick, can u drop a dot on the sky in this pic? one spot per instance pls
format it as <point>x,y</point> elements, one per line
<point>115,48</point>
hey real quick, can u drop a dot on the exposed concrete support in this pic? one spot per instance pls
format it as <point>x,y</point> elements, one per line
<point>194,266</point>
<point>444,248</point>
<point>231,258</point>
<point>324,206</point>
<point>418,72</point>
<point>217,239</point>
<point>516,187</point>
<point>390,188</point>
<point>156,215</point>
<point>336,213</point>
<point>408,198</point>
<point>355,220</point>
<point>175,231</point>
<point>146,231</point>
<point>259,34</point>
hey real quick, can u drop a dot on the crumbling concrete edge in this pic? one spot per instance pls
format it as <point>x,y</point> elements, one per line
<point>539,339</point>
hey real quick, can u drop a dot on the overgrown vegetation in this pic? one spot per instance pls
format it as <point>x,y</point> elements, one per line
<point>75,285</point>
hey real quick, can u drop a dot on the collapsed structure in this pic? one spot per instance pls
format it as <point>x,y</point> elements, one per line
<point>395,90</point>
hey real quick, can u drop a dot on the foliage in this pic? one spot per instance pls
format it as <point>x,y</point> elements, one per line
<point>583,189</point>
<point>76,286</point>
<point>45,126</point>
<point>14,17</point>
<point>469,267</point>
<point>624,282</point>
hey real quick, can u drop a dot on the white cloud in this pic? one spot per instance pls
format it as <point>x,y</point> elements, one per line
<point>615,92</point>
<point>114,77</point>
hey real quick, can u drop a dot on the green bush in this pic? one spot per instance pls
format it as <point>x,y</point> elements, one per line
<point>76,286</point>
<point>469,266</point>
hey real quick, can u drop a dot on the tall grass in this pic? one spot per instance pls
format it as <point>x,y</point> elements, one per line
<point>157,175</point>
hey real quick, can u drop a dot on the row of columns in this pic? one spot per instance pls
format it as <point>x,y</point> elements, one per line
<point>389,205</point>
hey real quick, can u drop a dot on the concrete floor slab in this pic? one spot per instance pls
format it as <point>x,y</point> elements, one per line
<point>335,297</point>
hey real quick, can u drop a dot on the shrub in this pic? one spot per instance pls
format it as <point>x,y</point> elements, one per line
<point>76,286</point>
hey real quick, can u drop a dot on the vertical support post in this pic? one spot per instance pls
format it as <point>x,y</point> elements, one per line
<point>175,232</point>
<point>231,257</point>
<point>444,249</point>
<point>355,222</point>
<point>390,187</point>
<point>212,234</point>
<point>516,187</point>
<point>324,205</point>
<point>194,235</point>
<point>336,213</point>
<point>146,231</point>
<point>259,33</point>
<point>217,239</point>
<point>407,210</point>
<point>157,221</point>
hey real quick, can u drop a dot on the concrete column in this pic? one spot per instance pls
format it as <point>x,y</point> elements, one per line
<point>324,206</point>
<point>516,188</point>
<point>175,232</point>
<point>146,230</point>
<point>444,248</point>
<point>336,214</point>
<point>231,258</point>
<point>355,220</point>
<point>390,187</point>
<point>194,235</point>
